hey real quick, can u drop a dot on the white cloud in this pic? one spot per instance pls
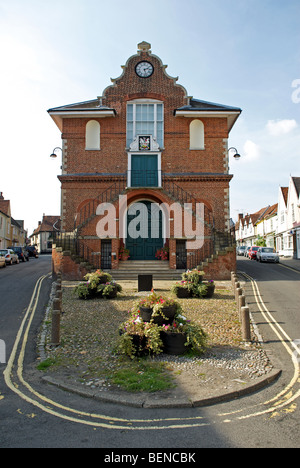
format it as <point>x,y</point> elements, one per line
<point>281,127</point>
<point>251,151</point>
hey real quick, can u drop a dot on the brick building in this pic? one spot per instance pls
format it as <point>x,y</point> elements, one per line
<point>159,158</point>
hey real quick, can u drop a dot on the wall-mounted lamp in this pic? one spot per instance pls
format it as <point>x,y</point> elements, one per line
<point>236,155</point>
<point>53,155</point>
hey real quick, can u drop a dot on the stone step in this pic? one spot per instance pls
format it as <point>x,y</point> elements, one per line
<point>160,270</point>
<point>141,266</point>
<point>119,275</point>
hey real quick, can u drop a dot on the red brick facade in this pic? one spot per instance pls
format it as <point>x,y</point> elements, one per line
<point>187,175</point>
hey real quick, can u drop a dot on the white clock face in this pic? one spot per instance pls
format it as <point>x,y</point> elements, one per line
<point>144,69</point>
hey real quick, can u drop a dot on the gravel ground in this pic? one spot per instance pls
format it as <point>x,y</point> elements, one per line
<point>89,330</point>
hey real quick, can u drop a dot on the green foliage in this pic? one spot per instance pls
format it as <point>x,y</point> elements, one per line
<point>139,338</point>
<point>195,276</point>
<point>142,377</point>
<point>97,284</point>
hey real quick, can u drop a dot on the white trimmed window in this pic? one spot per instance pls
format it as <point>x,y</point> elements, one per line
<point>145,117</point>
<point>196,135</point>
<point>92,135</point>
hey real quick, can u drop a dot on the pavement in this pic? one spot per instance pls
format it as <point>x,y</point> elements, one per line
<point>293,263</point>
<point>191,396</point>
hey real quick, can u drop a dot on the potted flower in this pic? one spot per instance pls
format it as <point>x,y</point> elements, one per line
<point>146,305</point>
<point>97,277</point>
<point>157,308</point>
<point>174,338</point>
<point>195,275</point>
<point>183,289</point>
<point>108,290</point>
<point>205,289</point>
<point>163,253</point>
<point>97,284</point>
<point>181,335</point>
<point>210,288</point>
<point>82,290</point>
<point>123,253</point>
<point>138,338</point>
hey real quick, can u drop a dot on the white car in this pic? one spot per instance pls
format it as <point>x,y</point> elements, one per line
<point>2,260</point>
<point>267,254</point>
<point>10,256</point>
<point>241,250</point>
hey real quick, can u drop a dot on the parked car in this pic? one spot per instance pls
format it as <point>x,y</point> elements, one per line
<point>10,256</point>
<point>240,250</point>
<point>246,252</point>
<point>267,254</point>
<point>21,252</point>
<point>252,252</point>
<point>32,251</point>
<point>2,260</point>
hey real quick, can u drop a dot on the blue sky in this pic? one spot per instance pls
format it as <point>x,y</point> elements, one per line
<point>242,53</point>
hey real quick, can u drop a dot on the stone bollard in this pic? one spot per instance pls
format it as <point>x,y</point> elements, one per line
<point>238,293</point>
<point>242,303</point>
<point>55,331</point>
<point>233,278</point>
<point>246,332</point>
<point>236,286</point>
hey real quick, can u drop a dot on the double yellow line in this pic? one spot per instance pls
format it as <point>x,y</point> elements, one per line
<point>106,421</point>
<point>281,400</point>
<point>286,396</point>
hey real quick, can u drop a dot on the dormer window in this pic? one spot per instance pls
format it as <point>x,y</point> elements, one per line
<point>145,117</point>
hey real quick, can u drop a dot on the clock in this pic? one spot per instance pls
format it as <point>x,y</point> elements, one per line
<point>144,69</point>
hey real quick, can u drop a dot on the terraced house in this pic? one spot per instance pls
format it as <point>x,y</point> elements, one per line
<point>145,167</point>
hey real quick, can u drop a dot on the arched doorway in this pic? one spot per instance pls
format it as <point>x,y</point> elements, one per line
<point>144,230</point>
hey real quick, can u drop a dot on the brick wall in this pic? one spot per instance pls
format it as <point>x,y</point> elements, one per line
<point>210,189</point>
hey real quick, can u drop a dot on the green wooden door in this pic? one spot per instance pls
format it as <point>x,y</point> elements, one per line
<point>144,230</point>
<point>144,171</point>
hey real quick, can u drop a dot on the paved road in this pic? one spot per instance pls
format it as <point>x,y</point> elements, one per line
<point>33,414</point>
<point>16,287</point>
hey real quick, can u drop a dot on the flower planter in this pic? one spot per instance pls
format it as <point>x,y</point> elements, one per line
<point>174,343</point>
<point>168,312</point>
<point>194,276</point>
<point>145,313</point>
<point>104,278</point>
<point>139,343</point>
<point>183,293</point>
<point>210,291</point>
<point>168,315</point>
<point>112,294</point>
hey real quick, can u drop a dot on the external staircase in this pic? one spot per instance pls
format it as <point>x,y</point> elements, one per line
<point>159,269</point>
<point>216,242</point>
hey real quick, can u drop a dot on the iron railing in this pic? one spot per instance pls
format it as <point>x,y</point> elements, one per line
<point>88,211</point>
<point>214,240</point>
